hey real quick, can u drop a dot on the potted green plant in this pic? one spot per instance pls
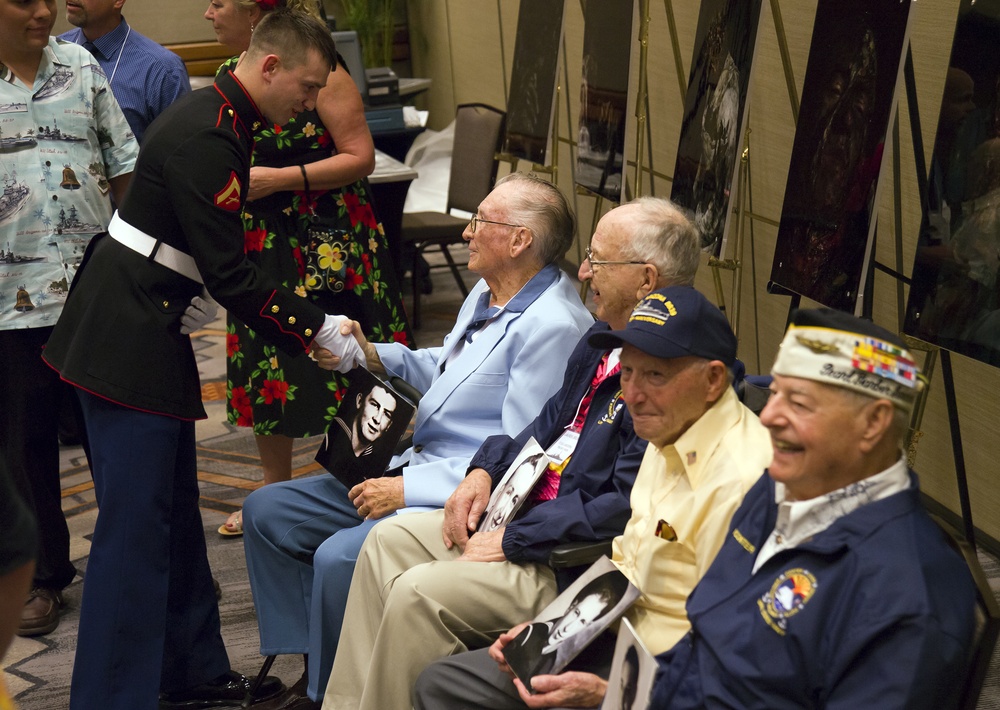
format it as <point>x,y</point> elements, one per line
<point>374,21</point>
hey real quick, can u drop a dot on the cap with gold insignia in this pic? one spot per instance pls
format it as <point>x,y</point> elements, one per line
<point>838,349</point>
<point>676,321</point>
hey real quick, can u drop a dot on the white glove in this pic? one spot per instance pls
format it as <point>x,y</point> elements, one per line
<point>200,313</point>
<point>345,347</point>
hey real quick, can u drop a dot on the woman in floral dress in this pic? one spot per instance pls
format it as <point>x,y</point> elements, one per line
<point>309,220</point>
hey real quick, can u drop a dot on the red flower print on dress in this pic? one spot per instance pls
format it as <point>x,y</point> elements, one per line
<point>232,344</point>
<point>274,390</point>
<point>368,217</point>
<point>352,204</point>
<point>253,240</point>
<point>307,201</point>
<point>352,280</point>
<point>240,403</point>
<point>399,337</point>
<point>300,262</point>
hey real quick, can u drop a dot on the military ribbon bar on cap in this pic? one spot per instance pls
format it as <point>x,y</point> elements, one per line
<point>886,360</point>
<point>841,358</point>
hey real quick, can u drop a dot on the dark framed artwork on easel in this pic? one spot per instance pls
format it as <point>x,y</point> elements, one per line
<point>954,299</point>
<point>531,103</point>
<point>848,103</point>
<point>715,115</point>
<point>607,50</point>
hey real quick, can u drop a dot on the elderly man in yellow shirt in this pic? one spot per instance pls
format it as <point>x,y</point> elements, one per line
<point>705,452</point>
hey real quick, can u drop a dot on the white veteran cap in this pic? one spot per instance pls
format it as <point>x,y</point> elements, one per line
<point>838,349</point>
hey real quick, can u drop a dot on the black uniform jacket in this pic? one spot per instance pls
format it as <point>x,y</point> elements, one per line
<point>119,334</point>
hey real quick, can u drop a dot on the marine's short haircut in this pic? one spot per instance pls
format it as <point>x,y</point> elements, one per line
<point>291,35</point>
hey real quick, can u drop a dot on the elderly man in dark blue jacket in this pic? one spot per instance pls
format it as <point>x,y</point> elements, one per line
<point>834,589</point>
<point>421,589</point>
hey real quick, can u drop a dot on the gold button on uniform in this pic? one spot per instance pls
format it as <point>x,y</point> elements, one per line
<point>274,309</point>
<point>166,304</point>
<point>309,332</point>
<point>291,320</point>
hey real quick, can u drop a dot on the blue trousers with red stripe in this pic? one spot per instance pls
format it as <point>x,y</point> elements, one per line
<point>149,620</point>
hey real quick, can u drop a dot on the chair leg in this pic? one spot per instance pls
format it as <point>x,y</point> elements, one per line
<point>454,270</point>
<point>255,686</point>
<point>415,285</point>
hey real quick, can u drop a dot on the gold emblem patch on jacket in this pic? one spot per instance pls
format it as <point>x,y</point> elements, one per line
<point>228,198</point>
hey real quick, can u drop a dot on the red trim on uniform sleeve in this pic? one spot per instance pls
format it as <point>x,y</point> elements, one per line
<point>265,312</point>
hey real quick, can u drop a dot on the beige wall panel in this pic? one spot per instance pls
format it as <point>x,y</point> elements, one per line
<point>430,52</point>
<point>166,22</point>
<point>478,71</point>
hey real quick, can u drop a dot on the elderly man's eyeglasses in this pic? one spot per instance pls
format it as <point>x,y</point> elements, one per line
<point>598,262</point>
<point>477,220</point>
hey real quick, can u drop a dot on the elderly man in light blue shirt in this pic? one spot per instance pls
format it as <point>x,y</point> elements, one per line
<point>504,357</point>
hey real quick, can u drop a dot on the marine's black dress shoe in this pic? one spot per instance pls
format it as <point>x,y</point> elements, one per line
<point>228,689</point>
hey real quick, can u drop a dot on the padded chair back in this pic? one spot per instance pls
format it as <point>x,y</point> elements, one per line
<point>479,130</point>
<point>987,624</point>
<point>754,391</point>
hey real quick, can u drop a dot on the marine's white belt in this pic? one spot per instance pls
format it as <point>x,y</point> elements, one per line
<point>166,255</point>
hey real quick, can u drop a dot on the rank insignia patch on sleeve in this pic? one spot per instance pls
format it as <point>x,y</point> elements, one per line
<point>228,198</point>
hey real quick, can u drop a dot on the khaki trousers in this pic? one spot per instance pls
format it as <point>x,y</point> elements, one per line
<point>412,602</point>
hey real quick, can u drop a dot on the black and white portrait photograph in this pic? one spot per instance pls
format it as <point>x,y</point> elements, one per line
<point>370,422</point>
<point>573,619</point>
<point>715,115</point>
<point>954,301</point>
<point>827,220</point>
<point>607,49</point>
<point>515,486</point>
<point>531,103</point>
<point>633,670</point>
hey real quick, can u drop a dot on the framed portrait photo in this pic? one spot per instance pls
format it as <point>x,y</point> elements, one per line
<point>369,424</point>
<point>515,486</point>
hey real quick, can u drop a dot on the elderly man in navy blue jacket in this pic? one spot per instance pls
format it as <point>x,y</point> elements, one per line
<point>834,589</point>
<point>421,589</point>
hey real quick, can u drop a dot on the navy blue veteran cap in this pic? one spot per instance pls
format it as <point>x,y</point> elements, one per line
<point>676,321</point>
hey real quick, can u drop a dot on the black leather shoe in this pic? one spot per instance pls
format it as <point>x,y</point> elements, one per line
<point>295,698</point>
<point>228,689</point>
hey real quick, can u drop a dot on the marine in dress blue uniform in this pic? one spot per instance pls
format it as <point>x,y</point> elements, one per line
<point>149,619</point>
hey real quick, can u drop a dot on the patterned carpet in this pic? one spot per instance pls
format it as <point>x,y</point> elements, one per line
<point>37,671</point>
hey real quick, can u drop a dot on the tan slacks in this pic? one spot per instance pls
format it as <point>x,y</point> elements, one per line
<point>413,601</point>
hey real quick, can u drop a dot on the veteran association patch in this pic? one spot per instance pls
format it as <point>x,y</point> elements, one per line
<point>786,598</point>
<point>614,407</point>
<point>228,198</point>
